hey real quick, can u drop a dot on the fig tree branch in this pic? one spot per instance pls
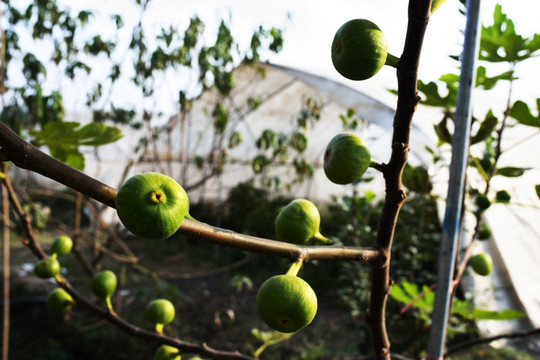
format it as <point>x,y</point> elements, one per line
<point>27,156</point>
<point>98,311</point>
<point>513,335</point>
<point>407,76</point>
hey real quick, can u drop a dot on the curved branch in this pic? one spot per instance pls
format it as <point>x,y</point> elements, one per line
<point>135,331</point>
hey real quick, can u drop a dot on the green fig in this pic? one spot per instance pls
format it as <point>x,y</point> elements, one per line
<point>360,50</point>
<point>160,312</point>
<point>152,205</point>
<point>286,303</point>
<point>346,158</point>
<point>299,222</point>
<point>61,245</point>
<point>59,300</point>
<point>484,233</point>
<point>481,264</point>
<point>167,352</point>
<point>47,267</point>
<point>104,285</point>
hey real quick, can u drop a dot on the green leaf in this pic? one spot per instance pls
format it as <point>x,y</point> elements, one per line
<point>299,141</point>
<point>398,294</point>
<point>521,112</point>
<point>432,95</point>
<point>435,4</point>
<point>488,83</point>
<point>486,128</point>
<point>69,155</point>
<point>507,314</point>
<point>64,137</point>
<point>511,171</point>
<point>410,288</point>
<point>96,134</point>
<point>68,133</point>
<point>499,42</point>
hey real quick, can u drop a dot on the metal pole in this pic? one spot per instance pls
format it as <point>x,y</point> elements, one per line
<point>456,185</point>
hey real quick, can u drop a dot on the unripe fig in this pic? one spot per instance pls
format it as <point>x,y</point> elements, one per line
<point>485,232</point>
<point>152,205</point>
<point>47,267</point>
<point>346,158</point>
<point>359,50</point>
<point>481,264</point>
<point>160,312</point>
<point>59,300</point>
<point>286,303</point>
<point>167,352</point>
<point>299,222</point>
<point>416,178</point>
<point>482,202</point>
<point>61,245</point>
<point>104,285</point>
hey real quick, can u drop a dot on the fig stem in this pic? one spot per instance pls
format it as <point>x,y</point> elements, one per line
<point>375,165</point>
<point>109,304</point>
<point>295,267</point>
<point>189,217</point>
<point>159,328</point>
<point>322,239</point>
<point>392,60</point>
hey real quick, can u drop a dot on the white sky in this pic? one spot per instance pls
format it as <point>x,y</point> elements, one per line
<point>312,24</point>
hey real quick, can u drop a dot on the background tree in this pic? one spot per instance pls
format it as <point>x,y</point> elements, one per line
<point>145,61</point>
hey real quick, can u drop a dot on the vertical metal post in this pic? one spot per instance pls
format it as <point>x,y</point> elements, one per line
<point>456,185</point>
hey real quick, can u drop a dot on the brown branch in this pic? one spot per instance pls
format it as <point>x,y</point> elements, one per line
<point>27,156</point>
<point>486,340</point>
<point>183,346</point>
<point>407,75</point>
<point>6,271</point>
<point>24,219</point>
<point>239,241</point>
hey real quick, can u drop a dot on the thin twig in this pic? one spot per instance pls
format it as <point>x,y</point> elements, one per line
<point>486,340</point>
<point>6,269</point>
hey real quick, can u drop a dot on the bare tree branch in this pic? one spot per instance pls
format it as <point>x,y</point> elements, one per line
<point>513,335</point>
